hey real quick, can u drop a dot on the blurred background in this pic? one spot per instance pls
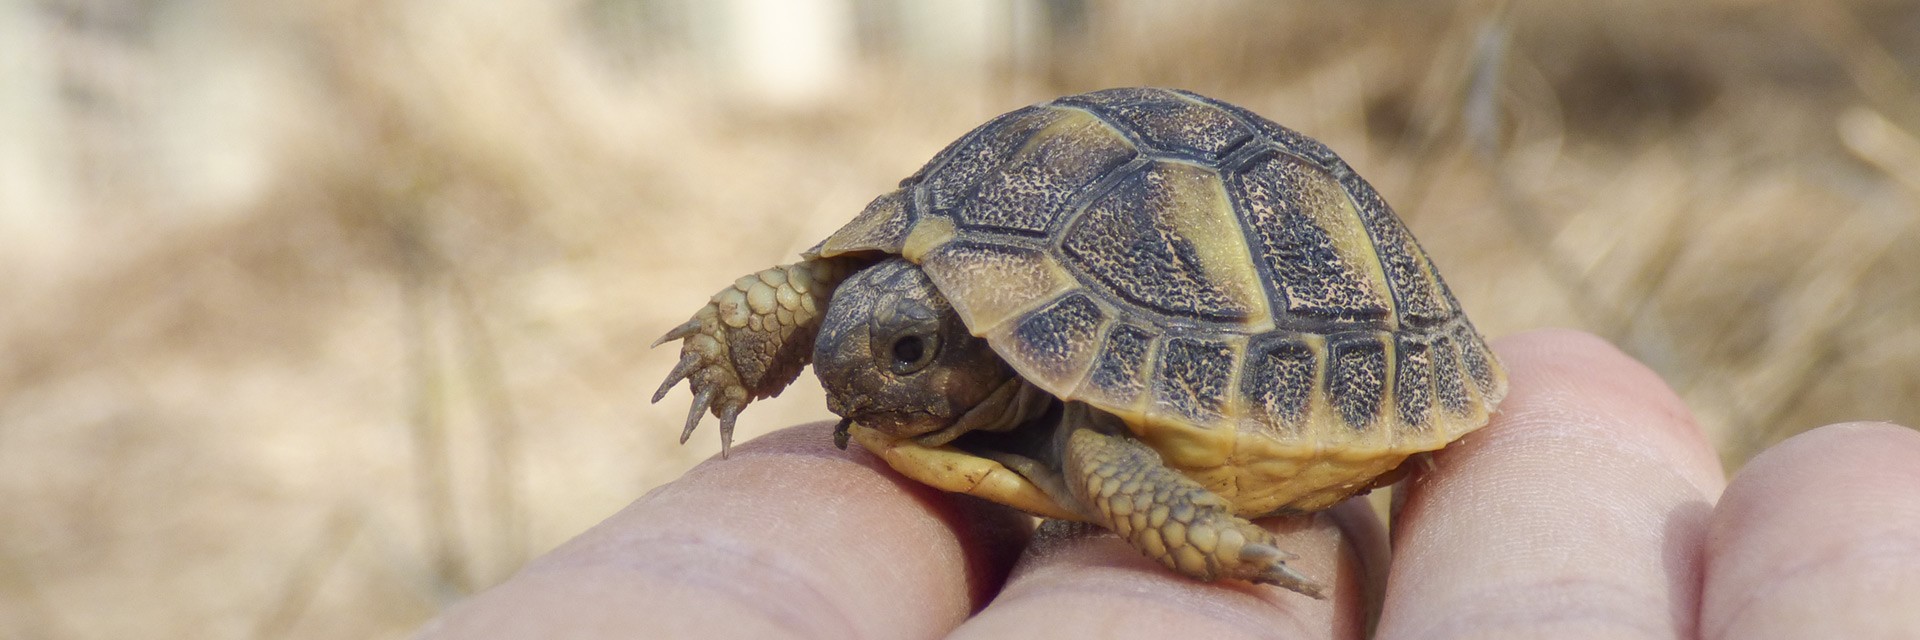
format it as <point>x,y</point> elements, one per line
<point>315,317</point>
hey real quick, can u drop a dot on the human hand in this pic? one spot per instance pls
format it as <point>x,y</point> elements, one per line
<point>1592,506</point>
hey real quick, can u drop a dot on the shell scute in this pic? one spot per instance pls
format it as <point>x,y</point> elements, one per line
<point>1309,242</point>
<point>1164,239</point>
<point>989,284</point>
<point>1413,381</point>
<point>1170,121</point>
<point>1357,378</point>
<point>1419,299</point>
<point>1478,360</point>
<point>955,174</point>
<point>1280,376</point>
<point>1285,138</point>
<point>1193,379</point>
<point>1058,341</point>
<point>1038,181</point>
<point>1119,373</point>
<point>883,226</point>
<point>1449,386</point>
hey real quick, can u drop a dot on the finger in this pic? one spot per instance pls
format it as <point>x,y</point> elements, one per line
<point>1578,512</point>
<point>788,537</point>
<point>1819,537</point>
<point>1077,581</point>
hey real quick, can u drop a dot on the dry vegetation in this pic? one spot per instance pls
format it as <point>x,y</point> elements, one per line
<point>315,318</point>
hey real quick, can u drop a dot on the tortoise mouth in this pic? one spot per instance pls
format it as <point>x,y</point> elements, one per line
<point>1031,437</point>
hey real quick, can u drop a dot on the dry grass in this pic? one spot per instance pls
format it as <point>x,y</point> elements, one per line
<point>317,318</point>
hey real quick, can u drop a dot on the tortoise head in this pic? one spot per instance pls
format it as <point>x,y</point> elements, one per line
<point>893,356</point>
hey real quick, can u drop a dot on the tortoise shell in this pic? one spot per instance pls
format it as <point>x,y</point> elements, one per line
<point>1230,288</point>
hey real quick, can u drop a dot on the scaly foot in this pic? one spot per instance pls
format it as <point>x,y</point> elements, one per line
<point>751,340</point>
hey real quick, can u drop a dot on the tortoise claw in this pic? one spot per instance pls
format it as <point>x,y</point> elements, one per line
<point>1277,572</point>
<point>688,363</point>
<point>706,365</point>
<point>729,413</point>
<point>689,328</point>
<point>701,401</point>
<point>740,346</point>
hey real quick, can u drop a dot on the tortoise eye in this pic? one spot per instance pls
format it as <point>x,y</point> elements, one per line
<point>913,352</point>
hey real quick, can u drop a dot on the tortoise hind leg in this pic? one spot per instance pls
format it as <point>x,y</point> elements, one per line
<point>752,339</point>
<point>1168,516</point>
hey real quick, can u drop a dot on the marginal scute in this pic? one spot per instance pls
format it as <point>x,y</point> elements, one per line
<point>1357,377</point>
<point>1171,121</point>
<point>882,227</point>
<point>1478,359</point>
<point>1311,242</point>
<point>1165,239</point>
<point>1413,381</point>
<point>1035,186</point>
<point>1449,381</point>
<point>1119,368</point>
<point>1192,378</point>
<point>930,233</point>
<point>989,283</point>
<point>1278,382</point>
<point>1057,341</point>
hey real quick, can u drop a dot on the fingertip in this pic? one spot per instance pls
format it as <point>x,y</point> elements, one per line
<point>1078,580</point>
<point>1591,483</point>
<point>1848,461</point>
<point>1570,353</point>
<point>1569,364</point>
<point>787,532</point>
<point>1557,340</point>
<point>1819,535</point>
<point>1871,461</point>
<point>1371,554</point>
<point>1566,380</point>
<point>1867,440</point>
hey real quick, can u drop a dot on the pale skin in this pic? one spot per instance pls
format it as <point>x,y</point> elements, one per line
<point>1591,507</point>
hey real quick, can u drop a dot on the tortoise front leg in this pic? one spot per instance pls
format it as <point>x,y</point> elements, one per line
<point>752,339</point>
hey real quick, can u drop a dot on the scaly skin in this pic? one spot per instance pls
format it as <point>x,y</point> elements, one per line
<point>1171,518</point>
<point>752,339</point>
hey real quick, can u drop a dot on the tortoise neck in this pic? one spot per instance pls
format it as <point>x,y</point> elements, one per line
<point>1014,403</point>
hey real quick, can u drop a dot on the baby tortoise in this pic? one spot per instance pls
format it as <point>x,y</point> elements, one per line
<point>1140,308</point>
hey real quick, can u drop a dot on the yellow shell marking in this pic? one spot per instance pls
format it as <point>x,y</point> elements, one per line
<point>1333,210</point>
<point>928,233</point>
<point>1203,214</point>
<point>877,228</point>
<point>989,285</point>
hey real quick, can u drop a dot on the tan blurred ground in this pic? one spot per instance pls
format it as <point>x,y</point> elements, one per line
<point>315,318</point>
